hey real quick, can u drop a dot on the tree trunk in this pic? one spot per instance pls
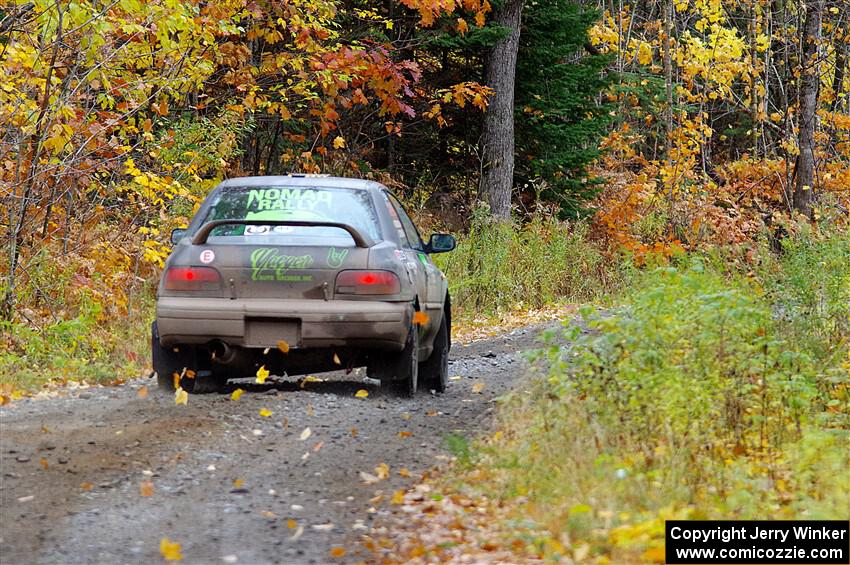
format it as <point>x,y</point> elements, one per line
<point>840,60</point>
<point>497,141</point>
<point>803,189</point>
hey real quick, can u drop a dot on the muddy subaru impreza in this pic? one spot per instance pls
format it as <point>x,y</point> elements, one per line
<point>302,274</point>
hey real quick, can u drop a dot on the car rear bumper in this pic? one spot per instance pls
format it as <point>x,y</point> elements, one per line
<point>301,323</point>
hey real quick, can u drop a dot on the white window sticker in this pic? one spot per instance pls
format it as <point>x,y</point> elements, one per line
<point>207,256</point>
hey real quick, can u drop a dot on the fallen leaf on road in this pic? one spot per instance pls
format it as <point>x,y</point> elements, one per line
<point>305,434</point>
<point>404,434</point>
<point>309,409</point>
<point>176,377</point>
<point>406,416</point>
<point>43,463</point>
<point>283,346</point>
<point>142,392</point>
<point>353,432</point>
<point>323,527</point>
<point>431,413</point>
<point>368,478</point>
<point>268,514</point>
<point>338,552</point>
<point>310,379</point>
<point>318,446</point>
<point>398,497</point>
<point>170,550</point>
<point>265,412</point>
<point>477,387</point>
<point>237,394</point>
<point>404,472</point>
<point>237,483</point>
<point>291,524</point>
<point>146,488</point>
<point>181,396</point>
<point>190,374</point>
<point>297,533</point>
<point>262,374</point>
<point>383,471</point>
<point>455,378</point>
<point>361,393</point>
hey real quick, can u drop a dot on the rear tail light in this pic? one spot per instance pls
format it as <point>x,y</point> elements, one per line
<point>192,278</point>
<point>367,282</point>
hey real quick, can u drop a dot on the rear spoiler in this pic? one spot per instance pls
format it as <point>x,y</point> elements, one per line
<point>360,239</point>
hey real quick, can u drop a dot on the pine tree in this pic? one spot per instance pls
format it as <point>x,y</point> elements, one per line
<point>558,118</point>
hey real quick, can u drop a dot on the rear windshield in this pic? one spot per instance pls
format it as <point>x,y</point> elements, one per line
<point>340,205</point>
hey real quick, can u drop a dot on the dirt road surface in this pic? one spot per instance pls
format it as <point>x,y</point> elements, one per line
<point>230,485</point>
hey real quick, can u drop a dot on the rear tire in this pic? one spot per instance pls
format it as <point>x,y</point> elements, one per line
<point>434,371</point>
<point>400,371</point>
<point>168,361</point>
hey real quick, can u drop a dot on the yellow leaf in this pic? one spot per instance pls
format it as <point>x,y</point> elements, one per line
<point>146,488</point>
<point>644,54</point>
<point>265,412</point>
<point>262,374</point>
<point>478,387</point>
<point>353,432</point>
<point>398,497</point>
<point>170,550</point>
<point>283,346</point>
<point>237,483</point>
<point>403,472</point>
<point>336,359</point>
<point>339,142</point>
<point>305,434</point>
<point>142,392</point>
<point>382,471</point>
<point>43,463</point>
<point>361,393</point>
<point>86,486</point>
<point>291,524</point>
<point>404,434</point>
<point>181,396</point>
<point>337,552</point>
<point>237,394</point>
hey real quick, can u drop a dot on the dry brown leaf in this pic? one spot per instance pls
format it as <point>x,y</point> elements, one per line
<point>146,488</point>
<point>283,346</point>
<point>142,392</point>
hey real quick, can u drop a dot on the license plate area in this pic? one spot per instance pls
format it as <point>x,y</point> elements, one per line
<point>267,332</point>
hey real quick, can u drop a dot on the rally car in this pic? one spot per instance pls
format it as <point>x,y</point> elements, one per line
<point>299,274</point>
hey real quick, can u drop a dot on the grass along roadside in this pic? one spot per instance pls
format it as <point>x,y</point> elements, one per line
<point>706,393</point>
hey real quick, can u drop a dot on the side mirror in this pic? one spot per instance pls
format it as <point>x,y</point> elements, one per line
<point>177,234</point>
<point>441,243</point>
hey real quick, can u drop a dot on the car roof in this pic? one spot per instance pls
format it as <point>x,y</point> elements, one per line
<point>296,180</point>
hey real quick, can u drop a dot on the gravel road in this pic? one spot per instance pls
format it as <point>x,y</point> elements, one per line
<point>229,485</point>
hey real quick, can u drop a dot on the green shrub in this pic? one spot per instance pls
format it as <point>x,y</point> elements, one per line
<point>694,399</point>
<point>500,265</point>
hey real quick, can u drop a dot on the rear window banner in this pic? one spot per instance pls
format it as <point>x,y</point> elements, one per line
<point>265,199</point>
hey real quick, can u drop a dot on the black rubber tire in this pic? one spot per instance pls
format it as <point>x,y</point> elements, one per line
<point>170,360</point>
<point>400,371</point>
<point>434,371</point>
